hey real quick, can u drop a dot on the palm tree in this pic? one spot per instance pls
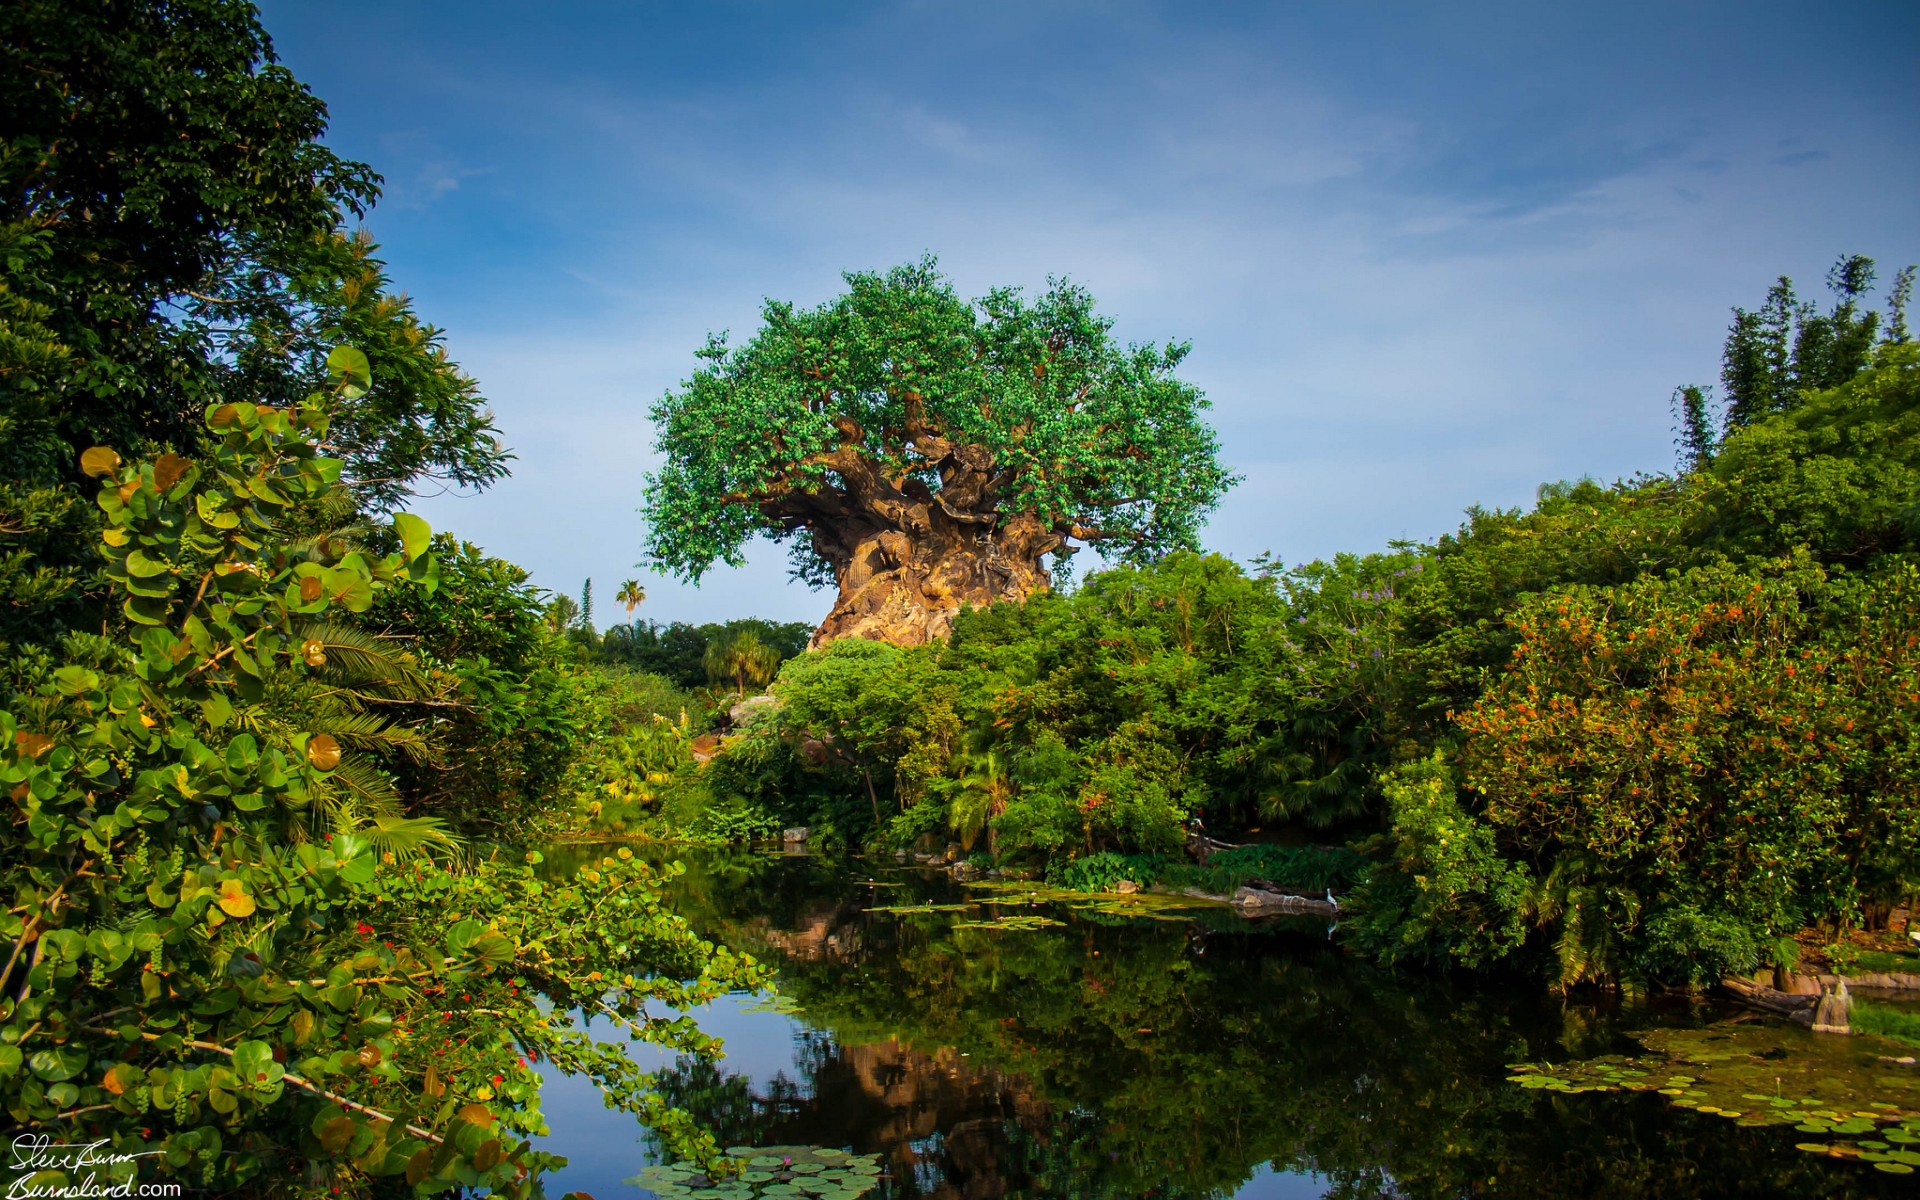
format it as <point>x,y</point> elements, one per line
<point>632,595</point>
<point>744,658</point>
<point>982,796</point>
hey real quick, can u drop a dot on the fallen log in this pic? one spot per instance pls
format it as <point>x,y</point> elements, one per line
<point>1263,900</point>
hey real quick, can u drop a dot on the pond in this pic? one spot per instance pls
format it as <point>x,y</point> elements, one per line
<point>984,1042</point>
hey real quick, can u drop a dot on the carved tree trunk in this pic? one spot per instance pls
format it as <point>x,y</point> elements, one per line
<point>905,584</point>
<point>906,557</point>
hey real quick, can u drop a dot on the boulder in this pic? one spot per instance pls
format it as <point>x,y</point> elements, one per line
<point>1126,887</point>
<point>796,834</point>
<point>740,713</point>
<point>704,747</point>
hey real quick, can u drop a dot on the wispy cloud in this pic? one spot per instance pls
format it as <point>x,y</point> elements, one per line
<point>1428,256</point>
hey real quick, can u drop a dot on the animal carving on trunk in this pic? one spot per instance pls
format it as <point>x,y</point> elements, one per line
<point>924,454</point>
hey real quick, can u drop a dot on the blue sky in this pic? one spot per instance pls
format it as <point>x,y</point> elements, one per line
<point>1428,255</point>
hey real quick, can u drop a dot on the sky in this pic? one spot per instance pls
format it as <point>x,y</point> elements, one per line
<point>1428,255</point>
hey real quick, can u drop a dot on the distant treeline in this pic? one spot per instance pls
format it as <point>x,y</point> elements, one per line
<point>679,651</point>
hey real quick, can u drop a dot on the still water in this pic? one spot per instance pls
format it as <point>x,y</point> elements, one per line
<point>1135,1051</point>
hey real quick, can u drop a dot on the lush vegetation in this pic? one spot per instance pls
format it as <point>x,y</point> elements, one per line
<point>272,750</point>
<point>276,753</point>
<point>1647,731</point>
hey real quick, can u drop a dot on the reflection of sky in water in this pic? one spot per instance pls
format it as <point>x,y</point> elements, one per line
<point>603,1145</point>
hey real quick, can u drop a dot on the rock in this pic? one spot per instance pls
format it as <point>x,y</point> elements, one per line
<point>740,713</point>
<point>963,871</point>
<point>704,747</point>
<point>796,834</point>
<point>813,750</point>
<point>1891,981</point>
<point>1126,887</point>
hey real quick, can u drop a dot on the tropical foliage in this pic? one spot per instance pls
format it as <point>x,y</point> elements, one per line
<point>1645,731</point>
<point>198,875</point>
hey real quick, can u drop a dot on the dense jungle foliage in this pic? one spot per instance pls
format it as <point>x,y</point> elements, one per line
<point>275,752</point>
<point>1642,732</point>
<point>271,748</point>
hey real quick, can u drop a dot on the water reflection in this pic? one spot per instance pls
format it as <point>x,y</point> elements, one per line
<point>1174,1055</point>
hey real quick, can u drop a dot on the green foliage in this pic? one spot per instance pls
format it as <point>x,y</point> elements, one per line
<point>509,714</point>
<point>1100,872</point>
<point>1309,870</point>
<point>1785,348</point>
<point>678,651</point>
<point>1724,742</point>
<point>1445,894</point>
<point>1697,949</point>
<point>192,906</point>
<point>742,660</point>
<point>1839,473</point>
<point>175,244</point>
<point>622,776</point>
<point>1090,439</point>
<point>189,215</point>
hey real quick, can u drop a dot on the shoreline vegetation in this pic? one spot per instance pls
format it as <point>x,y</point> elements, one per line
<point>280,758</point>
<point>1649,734</point>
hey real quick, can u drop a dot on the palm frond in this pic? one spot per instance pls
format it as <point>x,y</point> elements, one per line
<point>367,785</point>
<point>410,837</point>
<point>353,658</point>
<point>370,732</point>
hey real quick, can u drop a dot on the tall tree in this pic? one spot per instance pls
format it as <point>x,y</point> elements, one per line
<point>1693,426</point>
<point>1787,347</point>
<point>171,238</point>
<point>924,453</point>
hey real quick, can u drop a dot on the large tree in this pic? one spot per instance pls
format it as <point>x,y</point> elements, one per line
<point>924,453</point>
<point>172,238</point>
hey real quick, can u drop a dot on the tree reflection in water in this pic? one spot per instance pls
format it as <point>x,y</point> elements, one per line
<point>1120,1057</point>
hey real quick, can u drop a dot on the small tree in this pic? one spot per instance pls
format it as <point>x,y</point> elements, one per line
<point>742,658</point>
<point>924,453</point>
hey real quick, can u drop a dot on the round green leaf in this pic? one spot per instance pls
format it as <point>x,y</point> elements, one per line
<point>349,372</point>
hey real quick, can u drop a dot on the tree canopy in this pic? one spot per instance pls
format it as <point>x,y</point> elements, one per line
<point>900,431</point>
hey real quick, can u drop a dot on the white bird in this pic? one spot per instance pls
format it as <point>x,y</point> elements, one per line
<point>1332,901</point>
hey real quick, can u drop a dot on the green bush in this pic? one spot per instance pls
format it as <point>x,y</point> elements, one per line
<point>1686,946</point>
<point>1100,872</point>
